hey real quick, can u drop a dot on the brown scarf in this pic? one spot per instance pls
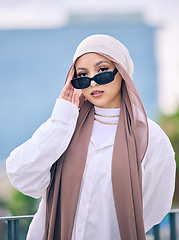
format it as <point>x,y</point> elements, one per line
<point>129,149</point>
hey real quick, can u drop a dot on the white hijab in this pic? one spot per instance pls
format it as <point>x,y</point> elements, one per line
<point>112,47</point>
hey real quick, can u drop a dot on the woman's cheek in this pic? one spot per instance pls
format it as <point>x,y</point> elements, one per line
<point>86,94</point>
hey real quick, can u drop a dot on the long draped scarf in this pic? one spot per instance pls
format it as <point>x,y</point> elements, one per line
<point>130,145</point>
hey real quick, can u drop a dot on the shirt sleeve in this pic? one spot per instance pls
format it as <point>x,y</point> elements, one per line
<point>158,176</point>
<point>28,166</point>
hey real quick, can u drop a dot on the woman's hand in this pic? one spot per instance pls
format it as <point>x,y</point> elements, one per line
<point>68,94</point>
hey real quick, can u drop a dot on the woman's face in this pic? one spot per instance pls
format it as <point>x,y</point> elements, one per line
<point>104,96</point>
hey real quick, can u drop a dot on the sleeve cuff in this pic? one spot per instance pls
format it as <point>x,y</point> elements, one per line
<point>64,111</point>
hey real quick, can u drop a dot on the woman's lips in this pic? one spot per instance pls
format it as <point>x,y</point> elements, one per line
<point>97,93</point>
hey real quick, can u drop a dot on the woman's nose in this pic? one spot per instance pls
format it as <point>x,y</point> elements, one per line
<point>93,83</point>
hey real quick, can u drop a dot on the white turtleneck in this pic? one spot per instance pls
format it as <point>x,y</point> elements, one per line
<point>102,131</point>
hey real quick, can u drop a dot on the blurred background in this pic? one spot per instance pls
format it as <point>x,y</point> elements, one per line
<point>37,42</point>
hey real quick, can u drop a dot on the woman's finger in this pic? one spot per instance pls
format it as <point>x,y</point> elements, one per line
<point>67,91</point>
<point>69,78</point>
<point>76,99</point>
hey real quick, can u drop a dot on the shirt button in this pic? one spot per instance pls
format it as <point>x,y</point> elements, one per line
<point>84,203</point>
<point>89,177</point>
<point>79,229</point>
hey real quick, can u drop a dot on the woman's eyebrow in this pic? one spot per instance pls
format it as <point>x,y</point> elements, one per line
<point>100,62</point>
<point>97,64</point>
<point>80,68</point>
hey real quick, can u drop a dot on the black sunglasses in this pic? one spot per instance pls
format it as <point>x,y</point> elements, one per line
<point>100,78</point>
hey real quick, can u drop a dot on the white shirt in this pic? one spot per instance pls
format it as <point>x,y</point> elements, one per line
<point>28,168</point>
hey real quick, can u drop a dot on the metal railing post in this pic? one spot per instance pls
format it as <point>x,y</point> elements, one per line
<point>16,229</point>
<point>10,230</point>
<point>173,234</point>
<point>156,232</point>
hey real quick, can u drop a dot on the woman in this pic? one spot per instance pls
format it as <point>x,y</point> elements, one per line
<point>104,171</point>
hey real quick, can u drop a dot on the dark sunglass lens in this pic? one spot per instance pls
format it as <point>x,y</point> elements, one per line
<point>104,78</point>
<point>75,83</point>
<point>80,83</point>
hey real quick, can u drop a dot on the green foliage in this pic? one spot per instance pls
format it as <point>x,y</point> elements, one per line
<point>170,124</point>
<point>20,204</point>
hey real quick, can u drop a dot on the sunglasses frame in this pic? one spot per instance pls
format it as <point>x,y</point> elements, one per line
<point>75,81</point>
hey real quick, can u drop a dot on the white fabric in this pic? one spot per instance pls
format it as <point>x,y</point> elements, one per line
<point>100,131</point>
<point>112,47</point>
<point>29,165</point>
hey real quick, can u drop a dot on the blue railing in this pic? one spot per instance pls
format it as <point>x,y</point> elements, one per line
<point>13,226</point>
<point>173,226</point>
